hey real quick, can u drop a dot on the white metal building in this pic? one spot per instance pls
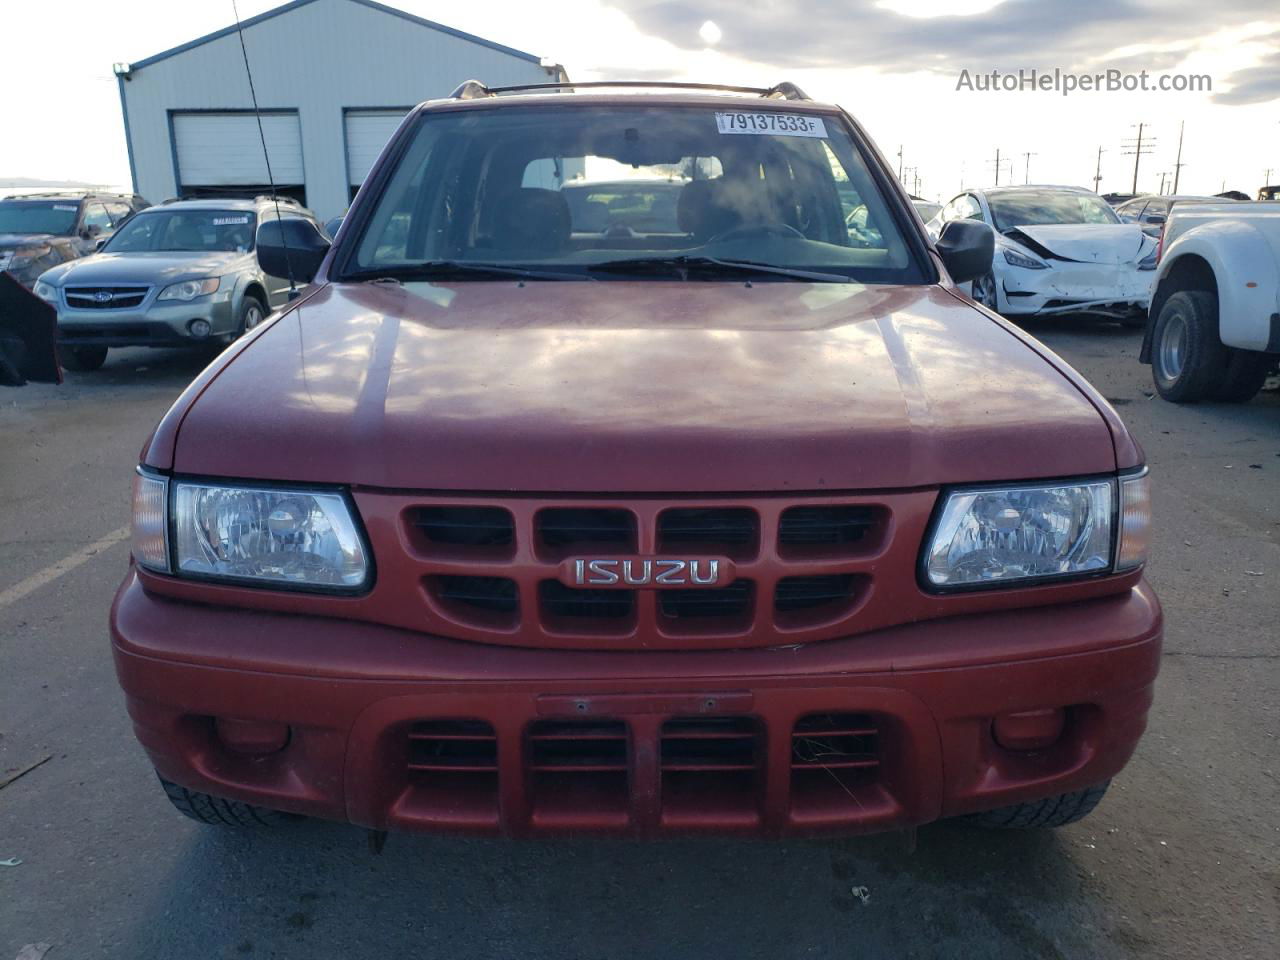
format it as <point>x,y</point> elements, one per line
<point>333,78</point>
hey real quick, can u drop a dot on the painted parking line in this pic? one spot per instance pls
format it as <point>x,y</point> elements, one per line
<point>52,572</point>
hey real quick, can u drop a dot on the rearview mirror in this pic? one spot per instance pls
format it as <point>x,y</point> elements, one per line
<point>291,247</point>
<point>967,248</point>
<point>1155,218</point>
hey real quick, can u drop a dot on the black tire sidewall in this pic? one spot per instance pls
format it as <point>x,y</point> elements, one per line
<point>83,359</point>
<point>243,318</point>
<point>1205,360</point>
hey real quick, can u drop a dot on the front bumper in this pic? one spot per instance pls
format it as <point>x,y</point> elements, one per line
<point>362,700</point>
<point>152,324</point>
<point>1111,290</point>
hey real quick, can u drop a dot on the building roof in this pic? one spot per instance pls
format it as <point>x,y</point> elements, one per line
<point>371,4</point>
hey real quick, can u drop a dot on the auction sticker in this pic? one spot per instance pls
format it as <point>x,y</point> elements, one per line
<point>229,221</point>
<point>771,124</point>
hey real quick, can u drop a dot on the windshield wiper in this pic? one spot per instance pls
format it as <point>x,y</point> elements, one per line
<point>715,265</point>
<point>452,269</point>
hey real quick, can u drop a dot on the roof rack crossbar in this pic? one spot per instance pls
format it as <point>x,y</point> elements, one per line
<point>474,89</point>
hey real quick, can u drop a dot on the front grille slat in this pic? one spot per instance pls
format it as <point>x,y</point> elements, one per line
<point>733,601</point>
<point>452,746</point>
<point>106,298</point>
<point>509,566</point>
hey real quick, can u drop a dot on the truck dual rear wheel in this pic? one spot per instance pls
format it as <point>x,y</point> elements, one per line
<point>1189,361</point>
<point>1051,812</point>
<point>204,808</point>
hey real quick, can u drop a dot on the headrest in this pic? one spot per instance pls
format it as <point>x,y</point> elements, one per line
<point>532,220</point>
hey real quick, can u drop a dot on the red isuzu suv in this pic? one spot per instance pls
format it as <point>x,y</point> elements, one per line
<point>631,463</point>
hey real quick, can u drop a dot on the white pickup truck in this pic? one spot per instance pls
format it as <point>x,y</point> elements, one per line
<point>1213,330</point>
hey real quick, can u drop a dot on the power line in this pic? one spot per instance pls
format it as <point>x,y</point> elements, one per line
<point>1178,165</point>
<point>1026,175</point>
<point>1138,149</point>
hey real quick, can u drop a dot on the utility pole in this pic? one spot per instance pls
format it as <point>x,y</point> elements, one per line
<point>1097,173</point>
<point>997,162</point>
<point>900,163</point>
<point>1266,180</point>
<point>1137,149</point>
<point>1177,167</point>
<point>1163,176</point>
<point>916,191</point>
<point>1026,174</point>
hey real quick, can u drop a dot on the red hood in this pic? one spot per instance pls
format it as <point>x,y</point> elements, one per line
<point>646,386</point>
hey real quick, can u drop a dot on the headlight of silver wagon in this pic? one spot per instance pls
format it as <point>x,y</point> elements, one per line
<point>276,537</point>
<point>1009,535</point>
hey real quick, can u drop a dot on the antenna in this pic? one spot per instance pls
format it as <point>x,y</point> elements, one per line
<point>271,180</point>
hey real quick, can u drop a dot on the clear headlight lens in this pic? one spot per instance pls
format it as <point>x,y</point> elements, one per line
<point>1135,522</point>
<point>45,291</point>
<point>190,289</point>
<point>997,536</point>
<point>1018,260</point>
<point>150,521</point>
<point>299,538</point>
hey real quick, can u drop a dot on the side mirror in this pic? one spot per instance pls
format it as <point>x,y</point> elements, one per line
<point>967,248</point>
<point>91,230</point>
<point>1156,218</point>
<point>292,246</point>
<point>100,243</point>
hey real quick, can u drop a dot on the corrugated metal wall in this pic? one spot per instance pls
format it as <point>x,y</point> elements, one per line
<point>320,59</point>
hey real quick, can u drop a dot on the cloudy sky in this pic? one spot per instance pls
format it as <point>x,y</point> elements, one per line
<point>895,64</point>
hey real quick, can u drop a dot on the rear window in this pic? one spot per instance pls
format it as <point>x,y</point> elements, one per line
<point>572,186</point>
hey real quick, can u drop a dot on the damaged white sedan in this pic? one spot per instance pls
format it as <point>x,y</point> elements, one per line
<point>1059,250</point>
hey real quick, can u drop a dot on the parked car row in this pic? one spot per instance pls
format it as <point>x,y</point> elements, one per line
<point>182,273</point>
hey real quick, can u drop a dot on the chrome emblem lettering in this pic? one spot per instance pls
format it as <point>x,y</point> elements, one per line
<point>642,572</point>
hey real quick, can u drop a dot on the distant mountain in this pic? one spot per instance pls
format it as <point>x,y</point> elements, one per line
<point>35,182</point>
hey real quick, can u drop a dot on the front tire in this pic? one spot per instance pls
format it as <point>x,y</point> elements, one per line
<point>1188,360</point>
<point>215,811</point>
<point>84,359</point>
<point>1050,812</point>
<point>252,313</point>
<point>984,291</point>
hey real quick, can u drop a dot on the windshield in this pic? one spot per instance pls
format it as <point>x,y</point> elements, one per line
<point>1029,208</point>
<point>185,230</point>
<point>38,216</point>
<point>577,189</point>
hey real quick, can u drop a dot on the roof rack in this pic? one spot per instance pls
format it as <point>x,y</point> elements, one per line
<point>474,89</point>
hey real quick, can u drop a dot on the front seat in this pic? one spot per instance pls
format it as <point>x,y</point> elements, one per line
<point>532,221</point>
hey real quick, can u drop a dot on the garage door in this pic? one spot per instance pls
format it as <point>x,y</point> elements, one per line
<point>367,133</point>
<point>224,149</point>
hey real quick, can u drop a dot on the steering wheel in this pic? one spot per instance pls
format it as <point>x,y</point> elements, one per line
<point>774,229</point>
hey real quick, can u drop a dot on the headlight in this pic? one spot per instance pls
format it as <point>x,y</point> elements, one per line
<point>1009,535</point>
<point>1018,260</point>
<point>46,291</point>
<point>280,537</point>
<point>190,289</point>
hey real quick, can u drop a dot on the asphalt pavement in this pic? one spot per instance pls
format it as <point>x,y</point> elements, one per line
<point>1182,859</point>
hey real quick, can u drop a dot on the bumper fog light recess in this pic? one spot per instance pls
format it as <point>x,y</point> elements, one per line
<point>200,328</point>
<point>1029,729</point>
<point>252,737</point>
